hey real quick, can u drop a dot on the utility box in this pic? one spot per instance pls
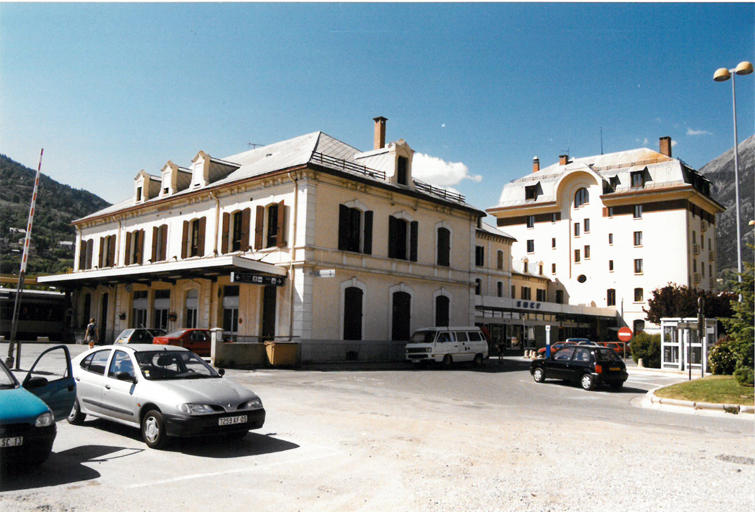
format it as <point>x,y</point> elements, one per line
<point>281,353</point>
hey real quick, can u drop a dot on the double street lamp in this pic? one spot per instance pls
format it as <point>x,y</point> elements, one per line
<point>722,75</point>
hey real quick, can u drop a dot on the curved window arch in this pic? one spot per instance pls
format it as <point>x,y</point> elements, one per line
<point>581,197</point>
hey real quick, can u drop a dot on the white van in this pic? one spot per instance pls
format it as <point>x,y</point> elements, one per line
<point>447,345</point>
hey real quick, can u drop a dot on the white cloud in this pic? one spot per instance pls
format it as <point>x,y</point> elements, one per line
<point>440,173</point>
<point>690,131</point>
<point>673,143</point>
<point>645,140</point>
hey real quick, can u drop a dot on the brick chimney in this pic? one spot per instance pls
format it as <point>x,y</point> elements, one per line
<point>379,132</point>
<point>535,164</point>
<point>563,159</point>
<point>665,143</point>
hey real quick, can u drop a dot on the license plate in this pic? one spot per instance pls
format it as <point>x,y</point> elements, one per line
<point>11,441</point>
<point>615,369</point>
<point>233,420</point>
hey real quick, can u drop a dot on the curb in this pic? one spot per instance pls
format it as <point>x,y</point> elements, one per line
<point>720,409</point>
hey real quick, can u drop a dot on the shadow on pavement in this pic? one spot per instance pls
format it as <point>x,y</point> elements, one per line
<point>493,365</point>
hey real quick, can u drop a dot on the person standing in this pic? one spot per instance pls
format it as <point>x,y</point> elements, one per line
<point>91,335</point>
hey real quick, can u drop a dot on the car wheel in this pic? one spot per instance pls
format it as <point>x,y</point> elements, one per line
<point>447,361</point>
<point>617,386</point>
<point>477,360</point>
<point>153,430</point>
<point>539,375</point>
<point>76,417</point>
<point>588,382</point>
<point>238,435</point>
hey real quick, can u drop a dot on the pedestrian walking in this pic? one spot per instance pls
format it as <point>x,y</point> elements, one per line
<point>91,336</point>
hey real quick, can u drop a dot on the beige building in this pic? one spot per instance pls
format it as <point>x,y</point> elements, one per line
<point>338,249</point>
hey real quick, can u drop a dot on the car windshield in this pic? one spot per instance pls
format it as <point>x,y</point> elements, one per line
<point>7,380</point>
<point>423,337</point>
<point>175,334</point>
<point>173,365</point>
<point>606,355</point>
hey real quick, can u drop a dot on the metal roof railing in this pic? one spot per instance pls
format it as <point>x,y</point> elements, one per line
<point>441,192</point>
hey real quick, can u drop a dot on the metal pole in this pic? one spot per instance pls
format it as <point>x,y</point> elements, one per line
<point>22,275</point>
<point>736,181</point>
<point>701,333</point>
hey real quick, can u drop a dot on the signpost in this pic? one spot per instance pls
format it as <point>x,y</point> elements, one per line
<point>253,278</point>
<point>625,335</point>
<point>547,341</point>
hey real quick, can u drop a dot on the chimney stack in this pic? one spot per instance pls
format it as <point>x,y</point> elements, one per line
<point>535,164</point>
<point>379,132</point>
<point>563,159</point>
<point>665,143</point>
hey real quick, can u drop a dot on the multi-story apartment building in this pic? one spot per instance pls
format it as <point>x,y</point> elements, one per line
<point>609,229</point>
<point>402,252</point>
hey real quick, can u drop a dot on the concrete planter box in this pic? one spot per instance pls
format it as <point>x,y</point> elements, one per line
<point>283,353</point>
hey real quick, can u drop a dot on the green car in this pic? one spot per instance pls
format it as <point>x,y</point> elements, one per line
<point>29,409</point>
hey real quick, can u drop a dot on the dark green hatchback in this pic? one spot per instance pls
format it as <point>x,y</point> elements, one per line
<point>589,366</point>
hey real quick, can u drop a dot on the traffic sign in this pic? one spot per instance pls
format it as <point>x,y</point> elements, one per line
<point>625,334</point>
<point>248,277</point>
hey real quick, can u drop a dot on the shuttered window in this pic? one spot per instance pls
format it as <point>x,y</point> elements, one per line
<point>444,247</point>
<point>193,241</point>
<point>402,239</point>
<point>354,230</point>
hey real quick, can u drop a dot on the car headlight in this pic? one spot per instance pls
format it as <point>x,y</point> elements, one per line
<point>45,419</point>
<point>254,403</point>
<point>196,409</point>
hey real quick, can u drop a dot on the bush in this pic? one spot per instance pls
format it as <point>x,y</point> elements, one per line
<point>745,376</point>
<point>722,359</point>
<point>648,348</point>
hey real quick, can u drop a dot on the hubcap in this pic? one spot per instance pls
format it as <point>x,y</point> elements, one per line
<point>586,381</point>
<point>151,430</point>
<point>538,374</point>
<point>74,411</point>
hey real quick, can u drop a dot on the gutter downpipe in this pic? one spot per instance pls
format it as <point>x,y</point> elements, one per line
<point>291,262</point>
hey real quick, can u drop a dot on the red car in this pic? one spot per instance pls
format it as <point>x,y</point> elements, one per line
<point>555,347</point>
<point>196,340</point>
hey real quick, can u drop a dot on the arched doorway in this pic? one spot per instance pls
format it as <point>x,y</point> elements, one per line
<point>352,313</point>
<point>402,316</point>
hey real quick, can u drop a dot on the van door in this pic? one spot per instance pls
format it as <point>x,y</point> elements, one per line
<point>464,348</point>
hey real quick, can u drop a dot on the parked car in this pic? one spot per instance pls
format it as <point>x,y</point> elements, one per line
<point>29,409</point>
<point>163,390</point>
<point>587,365</point>
<point>138,335</point>
<point>447,345</point>
<point>554,348</point>
<point>617,347</point>
<point>196,340</point>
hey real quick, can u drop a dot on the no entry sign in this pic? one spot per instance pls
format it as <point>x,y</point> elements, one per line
<point>625,334</point>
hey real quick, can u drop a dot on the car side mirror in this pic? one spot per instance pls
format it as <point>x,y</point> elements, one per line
<point>221,372</point>
<point>125,376</point>
<point>35,382</point>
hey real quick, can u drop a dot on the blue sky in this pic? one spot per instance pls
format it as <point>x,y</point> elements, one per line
<point>110,89</point>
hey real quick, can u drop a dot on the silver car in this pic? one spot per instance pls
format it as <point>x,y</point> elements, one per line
<point>163,390</point>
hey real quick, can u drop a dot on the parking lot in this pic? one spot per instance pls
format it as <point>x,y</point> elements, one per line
<point>391,437</point>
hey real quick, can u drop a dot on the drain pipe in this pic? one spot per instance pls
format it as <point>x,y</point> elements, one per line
<point>291,262</point>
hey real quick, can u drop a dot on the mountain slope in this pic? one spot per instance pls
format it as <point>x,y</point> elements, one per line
<point>57,206</point>
<point>721,172</point>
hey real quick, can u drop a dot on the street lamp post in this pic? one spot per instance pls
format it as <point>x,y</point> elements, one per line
<point>722,75</point>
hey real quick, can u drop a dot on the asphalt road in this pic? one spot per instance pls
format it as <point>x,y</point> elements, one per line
<point>397,438</point>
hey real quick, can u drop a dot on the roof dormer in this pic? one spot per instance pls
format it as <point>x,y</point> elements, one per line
<point>146,187</point>
<point>206,170</point>
<point>395,159</point>
<point>174,179</point>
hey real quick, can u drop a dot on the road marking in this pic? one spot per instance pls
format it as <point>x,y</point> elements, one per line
<point>232,471</point>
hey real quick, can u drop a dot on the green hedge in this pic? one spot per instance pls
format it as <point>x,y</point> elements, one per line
<point>648,348</point>
<point>722,358</point>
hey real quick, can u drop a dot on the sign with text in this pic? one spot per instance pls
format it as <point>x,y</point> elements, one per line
<point>253,278</point>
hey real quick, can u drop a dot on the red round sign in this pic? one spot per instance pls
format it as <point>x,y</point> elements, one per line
<point>625,334</point>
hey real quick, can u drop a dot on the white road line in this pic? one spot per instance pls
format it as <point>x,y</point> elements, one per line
<point>231,471</point>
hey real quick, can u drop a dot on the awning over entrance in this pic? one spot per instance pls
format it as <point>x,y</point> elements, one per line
<point>170,272</point>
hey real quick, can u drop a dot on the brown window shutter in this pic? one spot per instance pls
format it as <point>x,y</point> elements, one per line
<point>281,225</point>
<point>605,212</point>
<point>82,254</point>
<point>259,226</point>
<point>110,251</point>
<point>246,218</point>
<point>90,253</point>
<point>140,247</point>
<point>163,242</point>
<point>226,227</point>
<point>127,256</point>
<point>367,247</point>
<point>200,240</point>
<point>414,236</point>
<point>101,262</point>
<point>155,234</point>
<point>185,240</point>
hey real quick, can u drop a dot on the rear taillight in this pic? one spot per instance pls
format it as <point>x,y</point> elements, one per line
<point>598,368</point>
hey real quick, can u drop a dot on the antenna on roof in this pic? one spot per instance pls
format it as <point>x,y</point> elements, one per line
<point>254,146</point>
<point>601,140</point>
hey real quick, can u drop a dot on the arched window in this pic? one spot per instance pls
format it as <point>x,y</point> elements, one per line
<point>352,313</point>
<point>581,197</point>
<point>444,247</point>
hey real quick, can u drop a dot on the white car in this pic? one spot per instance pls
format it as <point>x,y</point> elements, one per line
<point>163,390</point>
<point>447,345</point>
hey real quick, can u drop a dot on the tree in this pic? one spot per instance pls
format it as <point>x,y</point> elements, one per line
<point>676,301</point>
<point>740,326</point>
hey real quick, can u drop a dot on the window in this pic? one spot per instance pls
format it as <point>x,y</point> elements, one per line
<point>694,237</point>
<point>559,296</point>
<point>540,295</point>
<point>239,235</point>
<point>353,300</point>
<point>499,289</point>
<point>637,211</point>
<point>107,251</point>
<point>478,286</point>
<point>513,291</point>
<point>526,293</point>
<point>555,216</point>
<point>193,238</point>
<point>121,363</point>
<point>86,250</point>
<point>639,326</point>
<point>540,269</point>
<point>614,182</point>
<point>402,238</point>
<point>530,246</point>
<point>192,306</point>
<point>160,243</point>
<point>576,256</point>
<point>530,192</point>
<point>444,248</point>
<point>702,268</point>
<point>134,247</point>
<point>553,243</point>
<point>587,252</point>
<point>611,297</point>
<point>355,230</point>
<point>479,255</point>
<point>610,211</point>
<point>581,197</point>
<point>610,265</point>
<point>139,304</point>
<point>526,268</point>
<point>587,225</point>
<point>161,308</point>
<point>638,295</point>
<point>500,260</point>
<point>442,311</point>
<point>637,238</point>
<point>553,268</point>
<point>610,238</point>
<point>402,172</point>
<point>231,309</point>
<point>694,265</point>
<point>638,179</point>
<point>530,221</point>
<point>576,229</point>
<point>138,193</point>
<point>638,266</point>
<point>270,226</point>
